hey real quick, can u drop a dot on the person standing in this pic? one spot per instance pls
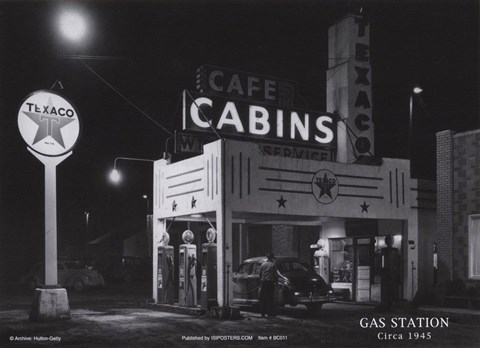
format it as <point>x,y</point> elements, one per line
<point>268,279</point>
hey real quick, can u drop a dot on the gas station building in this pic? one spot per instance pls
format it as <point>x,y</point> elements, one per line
<point>273,177</point>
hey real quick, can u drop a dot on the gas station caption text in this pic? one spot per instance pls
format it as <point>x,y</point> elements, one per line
<point>404,323</point>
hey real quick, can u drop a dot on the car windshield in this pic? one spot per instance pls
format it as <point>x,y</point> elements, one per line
<point>297,267</point>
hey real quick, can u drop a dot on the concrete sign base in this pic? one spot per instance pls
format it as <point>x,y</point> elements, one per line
<point>50,305</point>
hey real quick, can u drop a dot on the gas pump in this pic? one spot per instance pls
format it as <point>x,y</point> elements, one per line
<point>389,274</point>
<point>321,261</point>
<point>165,271</point>
<point>208,289</point>
<point>187,279</point>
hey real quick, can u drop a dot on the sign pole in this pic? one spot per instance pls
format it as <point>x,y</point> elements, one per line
<point>50,164</point>
<point>51,274</point>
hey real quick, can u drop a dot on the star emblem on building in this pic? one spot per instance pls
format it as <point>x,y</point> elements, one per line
<point>194,202</point>
<point>174,206</point>
<point>364,207</point>
<point>325,185</point>
<point>49,124</point>
<point>281,202</point>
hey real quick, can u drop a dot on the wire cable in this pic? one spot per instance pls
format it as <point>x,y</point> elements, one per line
<point>123,97</point>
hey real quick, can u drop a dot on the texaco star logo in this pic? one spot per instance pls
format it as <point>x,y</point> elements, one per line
<point>48,123</point>
<point>325,186</point>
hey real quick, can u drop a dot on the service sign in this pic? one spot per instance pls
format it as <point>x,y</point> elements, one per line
<point>48,123</point>
<point>247,119</point>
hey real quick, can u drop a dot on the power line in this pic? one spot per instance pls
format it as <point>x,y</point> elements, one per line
<point>124,98</point>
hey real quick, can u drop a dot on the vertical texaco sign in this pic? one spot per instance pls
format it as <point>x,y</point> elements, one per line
<point>48,123</point>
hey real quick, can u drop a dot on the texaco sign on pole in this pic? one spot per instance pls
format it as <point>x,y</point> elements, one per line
<point>50,126</point>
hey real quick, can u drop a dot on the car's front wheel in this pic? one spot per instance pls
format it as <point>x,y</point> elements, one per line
<point>314,307</point>
<point>78,285</point>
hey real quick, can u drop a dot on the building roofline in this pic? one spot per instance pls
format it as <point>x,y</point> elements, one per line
<point>466,133</point>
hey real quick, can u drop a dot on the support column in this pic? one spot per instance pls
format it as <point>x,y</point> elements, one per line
<point>221,269</point>
<point>410,284</point>
<point>159,227</point>
<point>224,241</point>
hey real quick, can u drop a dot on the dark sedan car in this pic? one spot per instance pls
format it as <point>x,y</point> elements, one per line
<point>298,283</point>
<point>71,274</point>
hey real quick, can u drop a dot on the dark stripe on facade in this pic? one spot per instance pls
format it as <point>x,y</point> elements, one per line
<point>233,174</point>
<point>185,183</point>
<point>403,188</point>
<point>361,196</point>
<point>390,184</point>
<point>184,193</point>
<point>288,191</point>
<point>396,185</point>
<point>185,173</point>
<point>240,173</point>
<point>289,181</point>
<point>213,173</point>
<point>358,177</point>
<point>359,186</point>
<point>285,170</point>
<point>248,175</point>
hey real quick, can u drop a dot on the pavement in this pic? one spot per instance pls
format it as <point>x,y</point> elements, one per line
<point>458,314</point>
<point>118,318</point>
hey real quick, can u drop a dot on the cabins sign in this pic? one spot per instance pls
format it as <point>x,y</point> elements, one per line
<point>248,119</point>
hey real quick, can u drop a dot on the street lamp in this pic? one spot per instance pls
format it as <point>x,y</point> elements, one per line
<point>148,227</point>
<point>115,176</point>
<point>415,91</point>
<point>72,25</point>
<point>148,203</point>
<point>87,216</point>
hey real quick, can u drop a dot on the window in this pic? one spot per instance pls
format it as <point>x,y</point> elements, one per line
<point>294,267</point>
<point>474,246</point>
<point>245,268</point>
<point>256,268</point>
<point>341,260</point>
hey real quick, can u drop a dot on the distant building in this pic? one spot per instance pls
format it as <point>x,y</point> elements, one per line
<point>457,235</point>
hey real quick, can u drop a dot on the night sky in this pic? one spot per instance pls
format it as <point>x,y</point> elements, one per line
<point>149,51</point>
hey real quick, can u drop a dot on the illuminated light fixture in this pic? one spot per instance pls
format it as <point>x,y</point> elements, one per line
<point>115,176</point>
<point>72,25</point>
<point>196,215</point>
<point>187,236</point>
<point>417,90</point>
<point>211,235</point>
<point>165,239</point>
